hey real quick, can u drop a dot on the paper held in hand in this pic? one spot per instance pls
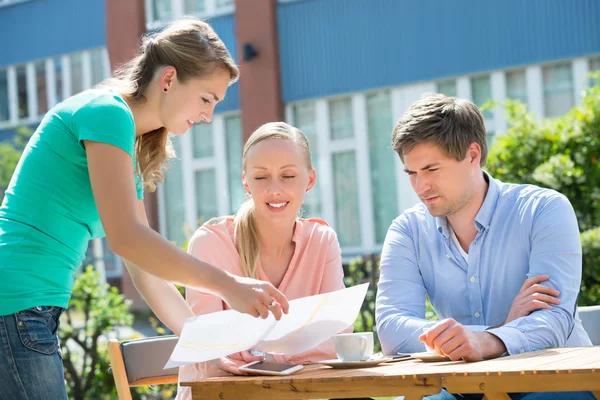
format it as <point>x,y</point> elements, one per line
<point>310,321</point>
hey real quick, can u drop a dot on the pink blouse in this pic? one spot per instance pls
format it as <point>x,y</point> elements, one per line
<point>315,267</point>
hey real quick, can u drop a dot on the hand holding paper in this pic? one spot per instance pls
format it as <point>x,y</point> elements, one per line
<point>310,321</point>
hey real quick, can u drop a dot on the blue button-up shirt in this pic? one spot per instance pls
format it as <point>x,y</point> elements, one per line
<point>523,231</point>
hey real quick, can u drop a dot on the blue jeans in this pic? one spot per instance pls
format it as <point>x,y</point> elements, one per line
<point>517,396</point>
<point>30,361</point>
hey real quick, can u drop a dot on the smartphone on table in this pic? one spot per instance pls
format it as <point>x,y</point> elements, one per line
<point>270,368</point>
<point>398,357</point>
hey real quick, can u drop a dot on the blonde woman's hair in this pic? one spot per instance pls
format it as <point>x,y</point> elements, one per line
<point>245,233</point>
<point>190,46</point>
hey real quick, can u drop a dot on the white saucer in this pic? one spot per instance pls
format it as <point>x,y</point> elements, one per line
<point>430,357</point>
<point>337,363</point>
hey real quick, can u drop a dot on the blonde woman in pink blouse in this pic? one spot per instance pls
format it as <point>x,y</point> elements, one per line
<point>266,240</point>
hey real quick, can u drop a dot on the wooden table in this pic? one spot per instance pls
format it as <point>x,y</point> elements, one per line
<point>551,370</point>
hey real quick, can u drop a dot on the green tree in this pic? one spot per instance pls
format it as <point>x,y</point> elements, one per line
<point>10,153</point>
<point>562,154</point>
<point>94,310</point>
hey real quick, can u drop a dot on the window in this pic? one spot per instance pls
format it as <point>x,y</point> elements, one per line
<point>234,145</point>
<point>22,96</point>
<point>481,92</point>
<point>206,195</point>
<point>594,64</point>
<point>42,88</point>
<point>594,67</point>
<point>58,95</point>
<point>516,86</point>
<point>346,198</point>
<point>76,73</point>
<point>383,176</point>
<point>558,89</point>
<point>194,6</point>
<point>89,255</point>
<point>447,87</point>
<point>305,120</point>
<point>206,180</point>
<point>4,110</point>
<point>161,10</point>
<point>344,173</point>
<point>112,263</point>
<point>202,138</point>
<point>173,195</point>
<point>340,112</point>
<point>97,64</point>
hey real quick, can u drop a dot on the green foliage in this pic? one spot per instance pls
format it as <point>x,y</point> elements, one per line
<point>363,270</point>
<point>10,153</point>
<point>358,272</point>
<point>590,286</point>
<point>100,309</point>
<point>95,309</point>
<point>561,154</point>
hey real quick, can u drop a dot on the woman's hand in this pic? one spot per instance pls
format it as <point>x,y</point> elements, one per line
<point>234,361</point>
<point>254,297</point>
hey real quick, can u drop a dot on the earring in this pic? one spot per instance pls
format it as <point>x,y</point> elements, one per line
<point>165,90</point>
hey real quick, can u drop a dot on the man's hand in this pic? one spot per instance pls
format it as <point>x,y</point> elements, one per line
<point>532,297</point>
<point>451,339</point>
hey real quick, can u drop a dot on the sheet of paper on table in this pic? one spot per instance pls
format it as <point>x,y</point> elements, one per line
<point>310,321</point>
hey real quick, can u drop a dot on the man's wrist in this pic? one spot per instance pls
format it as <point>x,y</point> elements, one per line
<point>493,346</point>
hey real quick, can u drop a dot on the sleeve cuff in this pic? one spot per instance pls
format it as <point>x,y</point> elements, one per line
<point>514,340</point>
<point>477,328</point>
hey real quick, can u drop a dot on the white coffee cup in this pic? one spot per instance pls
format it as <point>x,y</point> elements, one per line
<point>354,346</point>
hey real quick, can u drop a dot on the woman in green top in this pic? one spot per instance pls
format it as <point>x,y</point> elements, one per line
<point>77,180</point>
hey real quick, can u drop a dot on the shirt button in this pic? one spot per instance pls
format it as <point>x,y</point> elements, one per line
<point>447,255</point>
<point>477,315</point>
<point>472,279</point>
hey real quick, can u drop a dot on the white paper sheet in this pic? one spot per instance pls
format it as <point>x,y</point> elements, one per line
<point>310,321</point>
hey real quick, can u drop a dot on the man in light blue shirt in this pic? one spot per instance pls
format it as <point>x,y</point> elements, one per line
<point>501,263</point>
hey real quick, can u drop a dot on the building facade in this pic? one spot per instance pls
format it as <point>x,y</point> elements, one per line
<point>343,71</point>
<point>51,49</point>
<point>348,69</point>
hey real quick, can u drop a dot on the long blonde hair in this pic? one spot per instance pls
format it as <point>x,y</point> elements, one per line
<point>245,233</point>
<point>190,46</point>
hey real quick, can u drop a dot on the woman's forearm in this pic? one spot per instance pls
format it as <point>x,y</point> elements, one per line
<point>163,298</point>
<point>152,253</point>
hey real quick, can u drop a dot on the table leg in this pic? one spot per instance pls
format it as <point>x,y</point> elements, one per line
<point>495,396</point>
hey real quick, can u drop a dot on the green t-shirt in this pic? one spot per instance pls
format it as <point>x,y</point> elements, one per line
<point>49,214</point>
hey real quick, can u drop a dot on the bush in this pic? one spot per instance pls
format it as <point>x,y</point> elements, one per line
<point>10,153</point>
<point>85,359</point>
<point>561,154</point>
<point>590,286</point>
<point>363,270</point>
<point>98,310</point>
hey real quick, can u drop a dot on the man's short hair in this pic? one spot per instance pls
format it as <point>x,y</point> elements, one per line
<point>447,122</point>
